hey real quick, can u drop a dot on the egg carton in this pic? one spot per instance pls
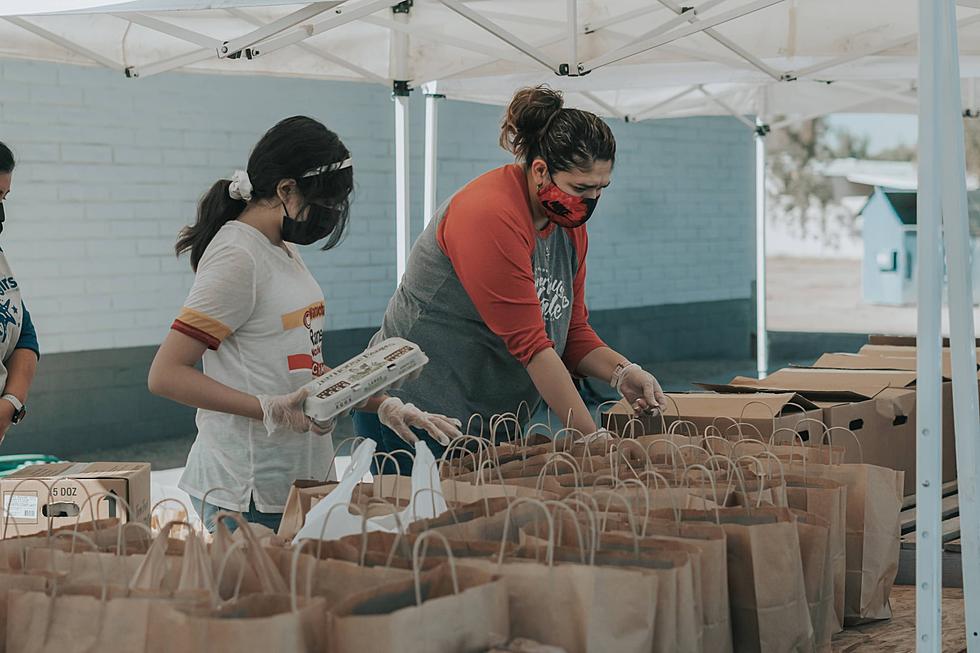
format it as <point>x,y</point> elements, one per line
<point>386,365</point>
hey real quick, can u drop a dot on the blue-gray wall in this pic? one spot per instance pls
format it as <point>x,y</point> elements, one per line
<point>110,169</point>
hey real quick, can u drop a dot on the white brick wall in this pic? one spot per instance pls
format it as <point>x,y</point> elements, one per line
<point>109,169</point>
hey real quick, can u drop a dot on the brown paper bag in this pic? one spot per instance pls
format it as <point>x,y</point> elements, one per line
<point>677,568</point>
<point>818,579</point>
<point>873,533</point>
<point>330,579</point>
<point>827,499</point>
<point>258,622</point>
<point>239,562</point>
<point>770,612</point>
<point>710,542</point>
<point>76,623</point>
<point>443,610</point>
<point>580,608</point>
<point>455,492</point>
<point>16,581</point>
<point>106,534</point>
<point>482,520</point>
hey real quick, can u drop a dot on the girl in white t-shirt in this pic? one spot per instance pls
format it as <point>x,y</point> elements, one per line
<point>255,316</point>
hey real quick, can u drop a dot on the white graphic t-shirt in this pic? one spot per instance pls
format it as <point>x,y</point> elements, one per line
<point>261,313</point>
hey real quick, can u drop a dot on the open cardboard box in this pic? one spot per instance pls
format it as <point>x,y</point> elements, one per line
<point>762,410</point>
<point>877,405</point>
<point>54,495</point>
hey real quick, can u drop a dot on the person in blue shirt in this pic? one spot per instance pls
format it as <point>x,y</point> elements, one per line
<point>19,351</point>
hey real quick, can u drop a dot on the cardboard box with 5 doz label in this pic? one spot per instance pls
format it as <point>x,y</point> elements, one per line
<point>62,494</point>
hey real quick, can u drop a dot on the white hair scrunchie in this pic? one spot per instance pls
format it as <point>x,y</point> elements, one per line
<point>241,186</point>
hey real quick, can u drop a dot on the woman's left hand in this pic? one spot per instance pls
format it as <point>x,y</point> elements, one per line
<point>642,390</point>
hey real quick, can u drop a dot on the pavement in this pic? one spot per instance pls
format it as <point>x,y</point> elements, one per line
<point>824,296</point>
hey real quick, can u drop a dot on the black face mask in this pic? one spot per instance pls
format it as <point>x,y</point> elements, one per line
<point>319,223</point>
<point>1,217</point>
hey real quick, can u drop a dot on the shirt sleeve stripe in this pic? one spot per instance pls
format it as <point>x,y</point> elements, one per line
<point>196,334</point>
<point>204,323</point>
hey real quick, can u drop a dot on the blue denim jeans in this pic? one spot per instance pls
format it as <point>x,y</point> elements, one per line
<point>208,512</point>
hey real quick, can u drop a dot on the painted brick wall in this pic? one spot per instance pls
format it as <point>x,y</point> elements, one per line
<point>109,170</point>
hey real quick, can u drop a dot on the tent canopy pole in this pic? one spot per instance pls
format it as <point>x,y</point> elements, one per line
<point>961,327</point>
<point>432,98</point>
<point>928,465</point>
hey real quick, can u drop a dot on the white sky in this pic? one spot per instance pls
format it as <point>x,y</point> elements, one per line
<point>884,130</point>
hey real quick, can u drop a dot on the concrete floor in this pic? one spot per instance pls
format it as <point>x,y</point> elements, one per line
<point>824,296</point>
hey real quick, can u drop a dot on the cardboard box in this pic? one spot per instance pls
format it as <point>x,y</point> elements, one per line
<point>901,341</point>
<point>40,497</point>
<point>877,405</point>
<point>875,361</point>
<point>707,408</point>
<point>889,353</point>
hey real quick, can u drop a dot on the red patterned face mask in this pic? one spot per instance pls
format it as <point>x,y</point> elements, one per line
<point>565,209</point>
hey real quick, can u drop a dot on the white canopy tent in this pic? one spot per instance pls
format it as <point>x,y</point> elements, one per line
<point>634,59</point>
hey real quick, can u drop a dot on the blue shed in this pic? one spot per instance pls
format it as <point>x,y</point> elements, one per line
<point>889,232</point>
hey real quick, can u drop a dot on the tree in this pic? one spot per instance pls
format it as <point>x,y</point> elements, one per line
<point>797,188</point>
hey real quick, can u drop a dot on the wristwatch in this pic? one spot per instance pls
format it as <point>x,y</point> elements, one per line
<point>20,411</point>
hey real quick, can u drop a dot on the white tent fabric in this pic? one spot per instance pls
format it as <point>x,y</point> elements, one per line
<point>760,57</point>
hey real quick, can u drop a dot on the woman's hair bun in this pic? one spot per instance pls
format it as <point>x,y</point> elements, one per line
<point>529,114</point>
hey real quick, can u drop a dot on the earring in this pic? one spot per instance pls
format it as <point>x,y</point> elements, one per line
<point>539,185</point>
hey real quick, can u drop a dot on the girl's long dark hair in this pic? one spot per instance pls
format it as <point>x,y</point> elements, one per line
<point>292,148</point>
<point>6,159</point>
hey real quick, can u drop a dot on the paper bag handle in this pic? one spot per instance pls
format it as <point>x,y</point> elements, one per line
<point>551,529</point>
<point>711,478</point>
<point>105,495</point>
<point>743,425</point>
<point>469,424</point>
<point>75,536</point>
<point>558,505</point>
<point>827,434</point>
<point>204,503</point>
<point>418,557</point>
<point>741,416</point>
<point>556,458</point>
<point>675,449</point>
<point>610,495</point>
<point>687,424</point>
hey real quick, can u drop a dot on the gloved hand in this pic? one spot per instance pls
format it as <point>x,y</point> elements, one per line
<point>640,388</point>
<point>401,417</point>
<point>286,412</point>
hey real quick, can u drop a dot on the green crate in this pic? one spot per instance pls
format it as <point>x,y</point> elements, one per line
<point>11,463</point>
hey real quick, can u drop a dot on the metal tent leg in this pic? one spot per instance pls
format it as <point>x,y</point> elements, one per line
<point>957,242</point>
<point>928,450</point>
<point>762,334</point>
<point>431,152</point>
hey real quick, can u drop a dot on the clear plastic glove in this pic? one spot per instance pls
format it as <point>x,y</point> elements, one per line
<point>401,418</point>
<point>642,390</point>
<point>285,412</point>
<point>601,435</point>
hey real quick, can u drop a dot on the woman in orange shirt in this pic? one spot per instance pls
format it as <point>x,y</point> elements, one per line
<point>494,291</point>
